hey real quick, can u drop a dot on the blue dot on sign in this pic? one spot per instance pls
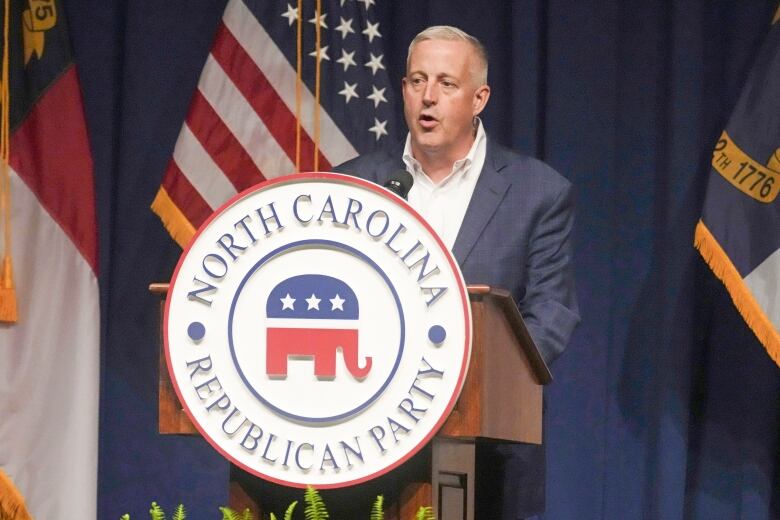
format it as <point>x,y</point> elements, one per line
<point>196,331</point>
<point>437,334</point>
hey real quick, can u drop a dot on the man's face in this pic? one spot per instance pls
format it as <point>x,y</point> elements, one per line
<point>441,98</point>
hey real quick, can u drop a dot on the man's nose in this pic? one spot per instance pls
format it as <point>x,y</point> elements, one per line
<point>430,94</point>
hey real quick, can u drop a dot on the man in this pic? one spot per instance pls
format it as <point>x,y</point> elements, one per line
<point>506,217</point>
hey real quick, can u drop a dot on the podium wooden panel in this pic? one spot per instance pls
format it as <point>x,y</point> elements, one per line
<point>501,400</point>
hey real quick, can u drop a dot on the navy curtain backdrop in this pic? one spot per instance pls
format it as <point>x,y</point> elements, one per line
<point>664,405</point>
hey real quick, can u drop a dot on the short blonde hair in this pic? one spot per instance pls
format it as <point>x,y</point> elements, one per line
<point>450,33</point>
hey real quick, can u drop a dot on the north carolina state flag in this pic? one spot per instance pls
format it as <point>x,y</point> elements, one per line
<point>49,359</point>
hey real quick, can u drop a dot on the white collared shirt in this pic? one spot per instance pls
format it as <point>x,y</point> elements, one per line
<point>444,204</point>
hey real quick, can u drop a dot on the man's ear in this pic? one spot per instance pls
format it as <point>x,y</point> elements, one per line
<point>481,96</point>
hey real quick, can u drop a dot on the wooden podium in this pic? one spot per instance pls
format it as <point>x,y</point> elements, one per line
<point>501,400</point>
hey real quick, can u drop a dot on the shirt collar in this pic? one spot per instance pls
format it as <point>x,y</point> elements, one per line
<point>460,168</point>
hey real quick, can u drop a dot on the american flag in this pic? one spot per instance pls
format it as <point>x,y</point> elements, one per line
<point>250,119</point>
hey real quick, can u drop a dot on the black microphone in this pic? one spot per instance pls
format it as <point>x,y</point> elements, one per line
<point>400,183</point>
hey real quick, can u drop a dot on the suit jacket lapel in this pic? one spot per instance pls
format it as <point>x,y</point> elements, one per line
<point>391,164</point>
<point>488,193</point>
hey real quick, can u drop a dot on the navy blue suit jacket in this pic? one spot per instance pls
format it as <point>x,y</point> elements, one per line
<point>515,235</point>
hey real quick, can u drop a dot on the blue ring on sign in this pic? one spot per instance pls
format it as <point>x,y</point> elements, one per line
<point>334,245</point>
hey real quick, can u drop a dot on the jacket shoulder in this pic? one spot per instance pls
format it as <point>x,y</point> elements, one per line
<point>521,168</point>
<point>371,166</point>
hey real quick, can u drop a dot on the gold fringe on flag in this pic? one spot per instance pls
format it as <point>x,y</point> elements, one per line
<point>8,310</point>
<point>743,299</point>
<point>180,229</point>
<point>11,501</point>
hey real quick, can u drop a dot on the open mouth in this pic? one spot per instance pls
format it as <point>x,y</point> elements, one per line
<point>427,121</point>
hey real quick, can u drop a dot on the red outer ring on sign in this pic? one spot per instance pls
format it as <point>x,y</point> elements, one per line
<point>314,176</point>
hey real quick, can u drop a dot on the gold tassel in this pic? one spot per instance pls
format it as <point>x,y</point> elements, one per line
<point>173,219</point>
<point>8,312</point>
<point>11,501</point>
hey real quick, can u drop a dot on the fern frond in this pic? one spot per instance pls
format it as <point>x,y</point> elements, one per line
<point>288,514</point>
<point>229,514</point>
<point>156,512</point>
<point>247,515</point>
<point>315,507</point>
<point>378,509</point>
<point>273,516</point>
<point>424,513</point>
<point>180,513</point>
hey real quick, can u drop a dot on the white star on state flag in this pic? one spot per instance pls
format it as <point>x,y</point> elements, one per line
<point>377,96</point>
<point>337,303</point>
<point>375,63</point>
<point>323,54</point>
<point>378,128</point>
<point>345,27</point>
<point>322,20</point>
<point>314,302</point>
<point>347,59</point>
<point>367,3</point>
<point>372,31</point>
<point>349,91</point>
<point>291,14</point>
<point>288,302</point>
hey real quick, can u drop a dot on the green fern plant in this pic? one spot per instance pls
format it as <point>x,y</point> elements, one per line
<point>230,514</point>
<point>156,512</point>
<point>288,514</point>
<point>378,508</point>
<point>179,513</point>
<point>315,507</point>
<point>315,510</point>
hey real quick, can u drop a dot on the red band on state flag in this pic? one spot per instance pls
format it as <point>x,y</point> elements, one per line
<point>260,94</point>
<point>50,152</point>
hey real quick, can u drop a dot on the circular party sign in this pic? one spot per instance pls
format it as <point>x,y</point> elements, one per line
<point>317,331</point>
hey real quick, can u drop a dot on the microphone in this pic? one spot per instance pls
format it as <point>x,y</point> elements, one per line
<point>400,183</point>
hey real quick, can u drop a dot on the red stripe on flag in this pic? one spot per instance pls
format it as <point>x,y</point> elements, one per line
<point>185,196</point>
<point>50,152</point>
<point>220,143</point>
<point>256,88</point>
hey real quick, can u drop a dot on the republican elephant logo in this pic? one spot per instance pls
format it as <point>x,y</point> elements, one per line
<point>313,316</point>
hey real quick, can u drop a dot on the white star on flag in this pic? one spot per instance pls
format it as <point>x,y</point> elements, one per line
<point>322,20</point>
<point>323,53</point>
<point>378,128</point>
<point>347,59</point>
<point>372,31</point>
<point>345,27</point>
<point>314,302</point>
<point>375,63</point>
<point>377,96</point>
<point>291,14</point>
<point>349,91</point>
<point>337,303</point>
<point>288,302</point>
<point>367,3</point>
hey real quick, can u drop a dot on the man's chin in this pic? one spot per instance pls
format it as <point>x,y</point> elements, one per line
<point>428,142</point>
